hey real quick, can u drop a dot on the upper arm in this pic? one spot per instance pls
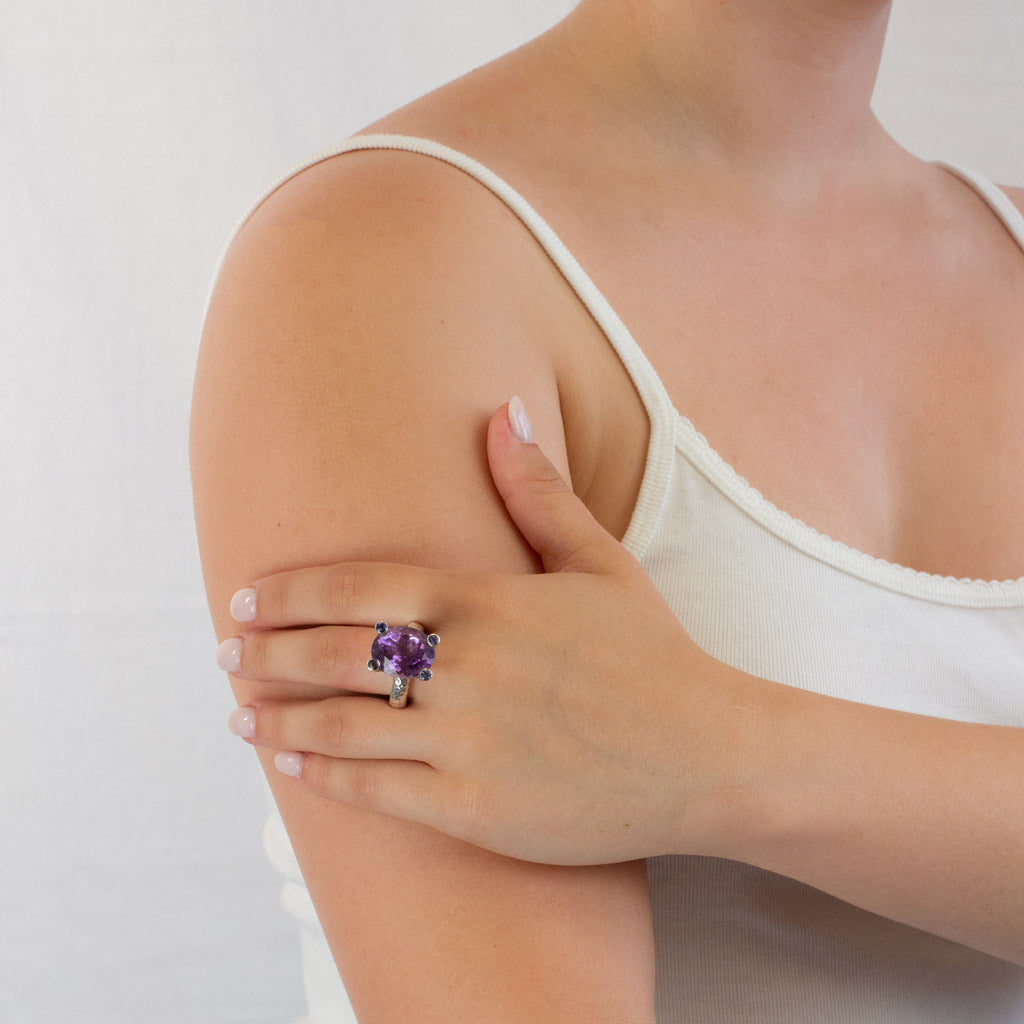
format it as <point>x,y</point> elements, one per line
<point>354,350</point>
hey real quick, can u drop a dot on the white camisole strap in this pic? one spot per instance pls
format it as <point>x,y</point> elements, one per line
<point>1011,217</point>
<point>668,427</point>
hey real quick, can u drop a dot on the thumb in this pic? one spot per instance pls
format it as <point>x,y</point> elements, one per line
<point>555,523</point>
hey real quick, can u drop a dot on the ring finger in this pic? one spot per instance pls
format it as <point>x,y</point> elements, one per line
<point>332,656</point>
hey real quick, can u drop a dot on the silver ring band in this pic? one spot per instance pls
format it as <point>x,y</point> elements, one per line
<point>399,693</point>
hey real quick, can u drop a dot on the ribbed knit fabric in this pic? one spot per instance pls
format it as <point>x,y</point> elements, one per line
<point>766,593</point>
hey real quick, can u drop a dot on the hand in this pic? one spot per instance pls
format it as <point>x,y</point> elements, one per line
<point>570,718</point>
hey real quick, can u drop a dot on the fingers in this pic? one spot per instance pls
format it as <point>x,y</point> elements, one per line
<point>339,727</point>
<point>403,789</point>
<point>554,521</point>
<point>359,751</point>
<point>324,655</point>
<point>350,593</point>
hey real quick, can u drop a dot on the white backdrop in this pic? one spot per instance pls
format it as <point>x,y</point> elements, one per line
<point>133,134</point>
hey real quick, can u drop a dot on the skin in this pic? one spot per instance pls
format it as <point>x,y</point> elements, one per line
<point>698,198</point>
<point>554,759</point>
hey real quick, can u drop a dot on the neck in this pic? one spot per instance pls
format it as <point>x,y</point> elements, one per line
<point>776,91</point>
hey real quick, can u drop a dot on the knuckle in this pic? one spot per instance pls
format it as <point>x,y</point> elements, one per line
<point>541,475</point>
<point>341,589</point>
<point>482,595</point>
<point>254,663</point>
<point>548,480</point>
<point>364,786</point>
<point>326,658</point>
<point>275,727</point>
<point>583,551</point>
<point>330,728</point>
<point>490,665</point>
<point>315,774</point>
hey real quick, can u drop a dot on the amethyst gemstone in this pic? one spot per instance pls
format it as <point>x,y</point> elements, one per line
<point>402,652</point>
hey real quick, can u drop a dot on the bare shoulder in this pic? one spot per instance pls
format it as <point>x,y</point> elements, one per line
<point>397,257</point>
<point>376,298</point>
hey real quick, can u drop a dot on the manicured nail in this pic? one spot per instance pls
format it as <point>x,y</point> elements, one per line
<point>242,722</point>
<point>289,762</point>
<point>243,605</point>
<point>229,655</point>
<point>518,420</point>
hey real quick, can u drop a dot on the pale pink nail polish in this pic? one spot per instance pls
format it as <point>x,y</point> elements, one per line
<point>518,420</point>
<point>289,762</point>
<point>229,655</point>
<point>243,605</point>
<point>242,722</point>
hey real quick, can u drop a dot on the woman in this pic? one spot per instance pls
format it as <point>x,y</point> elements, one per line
<point>810,720</point>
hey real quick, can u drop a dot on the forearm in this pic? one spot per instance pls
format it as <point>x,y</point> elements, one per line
<point>915,818</point>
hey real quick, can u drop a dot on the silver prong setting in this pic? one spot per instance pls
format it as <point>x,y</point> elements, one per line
<point>404,653</point>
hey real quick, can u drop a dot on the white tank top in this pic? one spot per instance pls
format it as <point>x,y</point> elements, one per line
<point>769,595</point>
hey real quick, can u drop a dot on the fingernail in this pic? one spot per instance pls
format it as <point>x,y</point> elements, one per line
<point>229,655</point>
<point>518,420</point>
<point>243,605</point>
<point>289,762</point>
<point>242,722</point>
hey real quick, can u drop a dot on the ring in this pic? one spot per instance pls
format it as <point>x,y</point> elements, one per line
<point>404,652</point>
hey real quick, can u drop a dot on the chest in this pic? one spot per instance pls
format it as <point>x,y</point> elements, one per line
<point>877,400</point>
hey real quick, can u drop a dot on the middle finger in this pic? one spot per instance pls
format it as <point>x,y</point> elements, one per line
<point>332,656</point>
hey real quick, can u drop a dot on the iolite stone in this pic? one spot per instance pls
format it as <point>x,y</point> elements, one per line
<point>402,651</point>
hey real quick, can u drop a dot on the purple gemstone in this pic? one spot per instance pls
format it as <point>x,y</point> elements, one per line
<point>403,652</point>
